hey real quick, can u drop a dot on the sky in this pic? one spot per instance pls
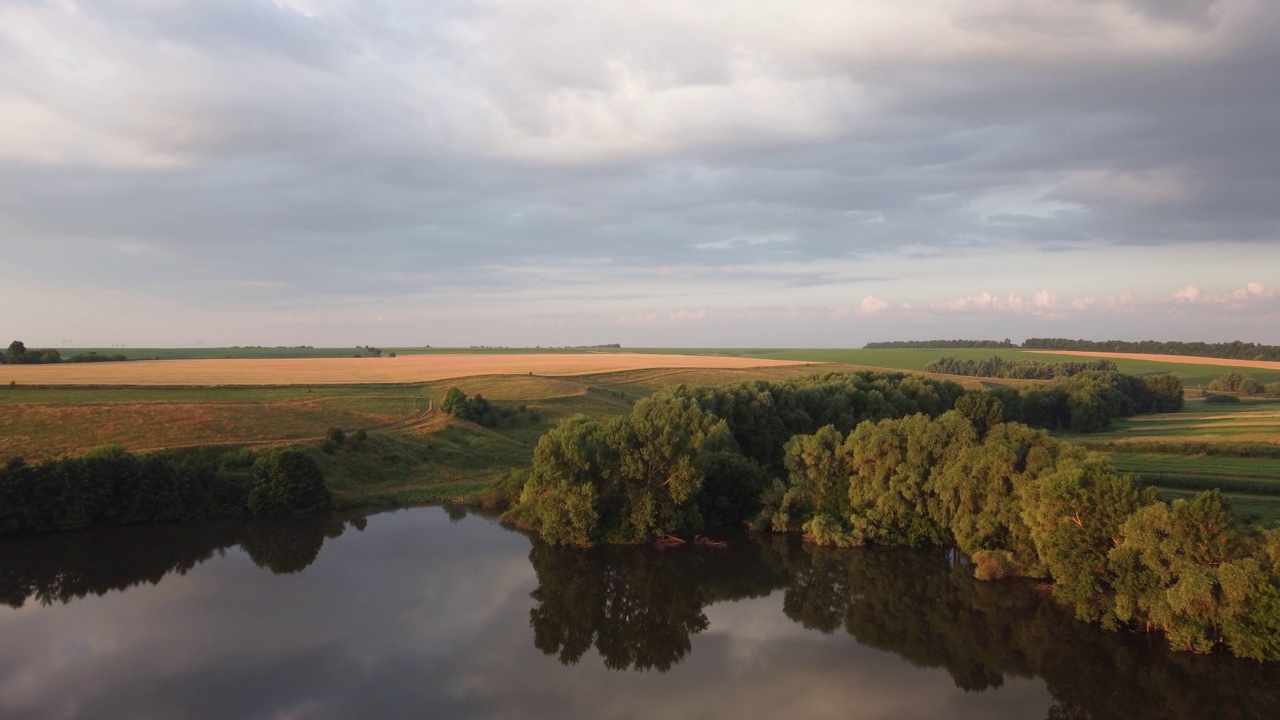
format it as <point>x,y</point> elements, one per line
<point>666,173</point>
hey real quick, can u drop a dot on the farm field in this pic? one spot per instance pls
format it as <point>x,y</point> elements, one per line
<point>329,371</point>
<point>1193,372</point>
<point>1235,448</point>
<point>416,453</point>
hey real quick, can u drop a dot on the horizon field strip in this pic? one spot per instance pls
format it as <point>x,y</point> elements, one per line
<point>904,359</point>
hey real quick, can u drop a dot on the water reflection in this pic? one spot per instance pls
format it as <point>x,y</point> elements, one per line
<point>428,613</point>
<point>639,608</point>
<point>63,567</point>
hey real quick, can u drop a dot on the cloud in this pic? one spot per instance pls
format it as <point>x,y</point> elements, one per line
<point>388,151</point>
<point>871,305</point>
<point>1252,291</point>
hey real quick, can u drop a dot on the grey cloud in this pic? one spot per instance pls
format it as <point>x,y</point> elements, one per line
<point>388,140</point>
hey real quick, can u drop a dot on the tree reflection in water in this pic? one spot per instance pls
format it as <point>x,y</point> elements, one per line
<point>639,608</point>
<point>62,567</point>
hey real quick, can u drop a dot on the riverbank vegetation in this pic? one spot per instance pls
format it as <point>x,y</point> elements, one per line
<point>111,486</point>
<point>888,459</point>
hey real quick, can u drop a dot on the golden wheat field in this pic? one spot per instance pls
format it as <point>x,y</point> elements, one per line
<point>1182,359</point>
<point>340,371</point>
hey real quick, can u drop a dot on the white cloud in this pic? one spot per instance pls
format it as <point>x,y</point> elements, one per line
<point>871,305</point>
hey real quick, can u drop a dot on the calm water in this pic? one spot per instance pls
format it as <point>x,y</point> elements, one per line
<point>423,614</point>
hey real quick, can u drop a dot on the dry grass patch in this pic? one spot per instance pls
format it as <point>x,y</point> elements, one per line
<point>39,432</point>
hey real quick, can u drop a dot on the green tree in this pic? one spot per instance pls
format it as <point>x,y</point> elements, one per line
<point>287,481</point>
<point>1236,382</point>
<point>1075,516</point>
<point>455,402</point>
<point>982,409</point>
<point>17,353</point>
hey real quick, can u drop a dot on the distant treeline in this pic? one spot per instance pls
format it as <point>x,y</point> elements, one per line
<point>890,459</point>
<point>998,367</point>
<point>110,486</point>
<point>930,344</point>
<point>19,354</point>
<point>1235,350</point>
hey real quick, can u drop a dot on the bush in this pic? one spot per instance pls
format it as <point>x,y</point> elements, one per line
<point>1220,399</point>
<point>336,436</point>
<point>1236,382</point>
<point>287,481</point>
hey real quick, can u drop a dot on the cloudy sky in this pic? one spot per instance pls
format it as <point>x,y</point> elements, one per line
<point>665,173</point>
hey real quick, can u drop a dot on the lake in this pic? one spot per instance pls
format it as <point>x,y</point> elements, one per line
<point>445,614</point>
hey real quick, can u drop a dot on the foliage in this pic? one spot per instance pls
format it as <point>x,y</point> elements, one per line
<point>1236,382</point>
<point>930,344</point>
<point>998,367</point>
<point>695,457</point>
<point>477,409</point>
<point>894,460</point>
<point>1089,401</point>
<point>1233,350</point>
<point>110,486</point>
<point>19,354</point>
<point>1220,399</point>
<point>287,481</point>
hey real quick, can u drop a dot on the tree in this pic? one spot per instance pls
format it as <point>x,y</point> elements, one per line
<point>287,481</point>
<point>1236,382</point>
<point>455,402</point>
<point>17,353</point>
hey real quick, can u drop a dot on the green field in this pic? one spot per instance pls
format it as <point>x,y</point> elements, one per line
<point>1235,448</point>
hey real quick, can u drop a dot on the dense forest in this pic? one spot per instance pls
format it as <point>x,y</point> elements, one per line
<point>110,486</point>
<point>998,367</point>
<point>887,459</point>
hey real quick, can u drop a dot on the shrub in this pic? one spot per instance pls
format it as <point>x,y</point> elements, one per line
<point>336,435</point>
<point>1235,382</point>
<point>1220,399</point>
<point>287,481</point>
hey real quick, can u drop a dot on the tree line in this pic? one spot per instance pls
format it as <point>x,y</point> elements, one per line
<point>1238,382</point>
<point>998,367</point>
<point>887,459</point>
<point>1235,350</point>
<point>930,344</point>
<point>110,486</point>
<point>19,354</point>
